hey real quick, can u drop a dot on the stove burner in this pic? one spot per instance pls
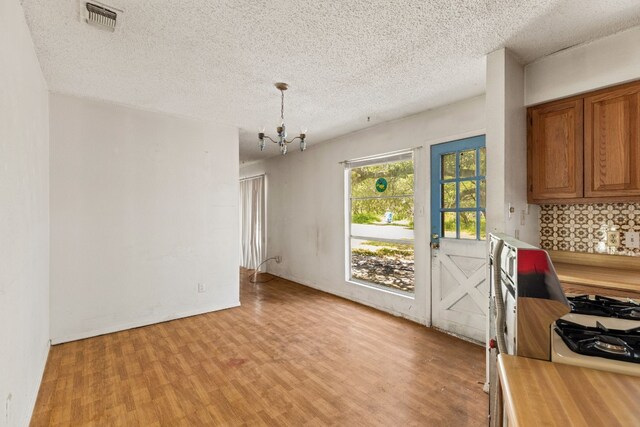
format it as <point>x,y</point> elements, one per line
<point>605,307</point>
<point>611,345</point>
<point>600,341</point>
<point>635,313</point>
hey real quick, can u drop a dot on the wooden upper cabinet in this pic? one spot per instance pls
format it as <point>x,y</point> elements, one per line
<point>612,142</point>
<point>555,151</point>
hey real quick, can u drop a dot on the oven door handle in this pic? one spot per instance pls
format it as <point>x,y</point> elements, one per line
<point>510,288</point>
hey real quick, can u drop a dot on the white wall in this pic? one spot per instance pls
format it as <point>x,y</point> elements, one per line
<point>507,150</point>
<point>601,63</point>
<point>143,208</point>
<point>305,207</point>
<point>24,219</point>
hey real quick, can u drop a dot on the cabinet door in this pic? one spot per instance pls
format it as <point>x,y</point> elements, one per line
<point>612,142</point>
<point>554,157</point>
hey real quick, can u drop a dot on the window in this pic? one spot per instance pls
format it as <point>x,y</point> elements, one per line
<point>380,220</point>
<point>463,193</point>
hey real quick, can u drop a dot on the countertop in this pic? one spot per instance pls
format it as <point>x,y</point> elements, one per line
<point>602,277</point>
<point>541,393</point>
<point>620,273</point>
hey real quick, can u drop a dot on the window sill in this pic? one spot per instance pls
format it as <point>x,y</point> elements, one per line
<point>399,293</point>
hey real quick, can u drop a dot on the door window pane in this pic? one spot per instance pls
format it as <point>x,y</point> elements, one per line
<point>483,161</point>
<point>449,195</point>
<point>467,163</point>
<point>449,166</point>
<point>483,193</point>
<point>483,226</point>
<point>468,225</point>
<point>467,194</point>
<point>449,225</point>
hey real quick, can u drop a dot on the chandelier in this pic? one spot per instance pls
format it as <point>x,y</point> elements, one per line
<point>281,139</point>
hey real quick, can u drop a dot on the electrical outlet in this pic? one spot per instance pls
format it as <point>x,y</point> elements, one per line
<point>613,239</point>
<point>632,239</point>
<point>201,287</point>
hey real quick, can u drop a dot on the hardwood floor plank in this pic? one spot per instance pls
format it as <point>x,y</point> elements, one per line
<point>290,355</point>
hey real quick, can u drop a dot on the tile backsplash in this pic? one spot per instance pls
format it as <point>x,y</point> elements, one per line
<point>576,228</point>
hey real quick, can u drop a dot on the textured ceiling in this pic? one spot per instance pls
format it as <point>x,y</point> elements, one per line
<point>344,60</point>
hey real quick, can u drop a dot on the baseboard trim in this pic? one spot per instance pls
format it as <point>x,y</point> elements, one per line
<point>354,299</point>
<point>137,324</point>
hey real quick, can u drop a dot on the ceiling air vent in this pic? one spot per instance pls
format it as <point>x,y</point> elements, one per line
<point>101,16</point>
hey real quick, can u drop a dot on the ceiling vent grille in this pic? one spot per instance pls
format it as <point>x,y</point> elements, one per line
<point>101,16</point>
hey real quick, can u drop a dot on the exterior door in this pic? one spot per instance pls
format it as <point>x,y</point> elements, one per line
<point>458,233</point>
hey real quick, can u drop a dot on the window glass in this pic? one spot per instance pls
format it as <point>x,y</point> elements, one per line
<point>381,224</point>
<point>449,224</point>
<point>449,195</point>
<point>463,194</point>
<point>390,265</point>
<point>483,225</point>
<point>467,163</point>
<point>468,228</point>
<point>449,166</point>
<point>467,194</point>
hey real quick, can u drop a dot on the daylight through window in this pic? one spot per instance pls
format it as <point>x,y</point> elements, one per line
<point>380,210</point>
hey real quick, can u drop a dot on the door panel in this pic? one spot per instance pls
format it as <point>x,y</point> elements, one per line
<point>458,260</point>
<point>612,143</point>
<point>459,289</point>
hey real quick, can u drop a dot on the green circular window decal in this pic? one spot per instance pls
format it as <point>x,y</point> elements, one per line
<point>381,185</point>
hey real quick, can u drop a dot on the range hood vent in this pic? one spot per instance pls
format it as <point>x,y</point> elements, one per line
<point>101,16</point>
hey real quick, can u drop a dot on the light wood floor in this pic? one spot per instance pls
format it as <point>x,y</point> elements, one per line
<point>289,356</point>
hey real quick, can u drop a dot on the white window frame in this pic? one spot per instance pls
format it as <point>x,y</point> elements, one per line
<point>391,157</point>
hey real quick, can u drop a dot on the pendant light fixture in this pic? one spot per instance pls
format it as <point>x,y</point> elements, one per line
<point>281,139</point>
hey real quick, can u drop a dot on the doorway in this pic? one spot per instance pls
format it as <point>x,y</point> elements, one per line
<point>253,221</point>
<point>458,237</point>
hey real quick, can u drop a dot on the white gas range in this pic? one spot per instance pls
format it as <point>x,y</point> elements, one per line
<point>530,316</point>
<point>600,333</point>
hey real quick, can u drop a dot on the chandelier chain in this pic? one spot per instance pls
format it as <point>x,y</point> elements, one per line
<point>282,105</point>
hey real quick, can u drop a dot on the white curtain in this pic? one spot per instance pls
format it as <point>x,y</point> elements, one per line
<point>253,245</point>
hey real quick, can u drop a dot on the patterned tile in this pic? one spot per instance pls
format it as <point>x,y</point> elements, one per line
<point>576,228</point>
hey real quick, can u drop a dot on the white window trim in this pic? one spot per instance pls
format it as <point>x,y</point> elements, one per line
<point>390,157</point>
